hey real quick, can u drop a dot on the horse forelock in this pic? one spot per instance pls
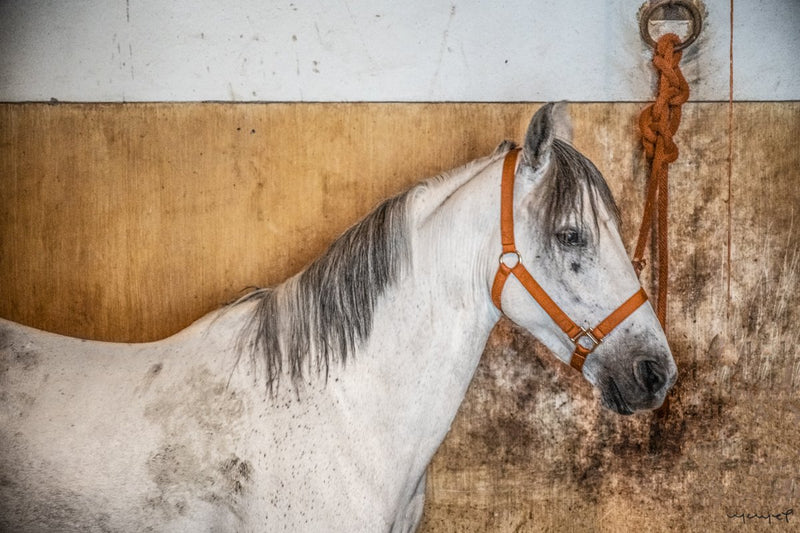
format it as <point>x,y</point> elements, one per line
<point>321,315</point>
<point>572,174</point>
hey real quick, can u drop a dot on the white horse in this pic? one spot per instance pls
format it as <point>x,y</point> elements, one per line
<point>316,405</point>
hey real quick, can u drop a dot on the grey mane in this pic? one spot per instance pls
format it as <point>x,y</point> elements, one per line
<point>570,174</point>
<point>327,309</point>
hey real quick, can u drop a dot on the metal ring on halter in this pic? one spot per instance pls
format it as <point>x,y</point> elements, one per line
<point>688,5</point>
<point>502,256</point>
<point>585,333</point>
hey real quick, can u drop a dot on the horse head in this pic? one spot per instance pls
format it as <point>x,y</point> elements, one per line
<point>565,233</point>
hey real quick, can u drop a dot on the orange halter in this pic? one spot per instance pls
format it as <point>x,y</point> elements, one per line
<point>585,340</point>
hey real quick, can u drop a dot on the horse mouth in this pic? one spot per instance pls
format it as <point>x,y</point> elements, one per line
<point>612,398</point>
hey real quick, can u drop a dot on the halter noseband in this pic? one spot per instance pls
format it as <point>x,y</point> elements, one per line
<point>585,340</point>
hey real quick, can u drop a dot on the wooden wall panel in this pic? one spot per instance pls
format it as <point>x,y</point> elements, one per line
<point>126,222</point>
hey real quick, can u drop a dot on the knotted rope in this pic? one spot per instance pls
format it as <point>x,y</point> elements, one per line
<point>658,123</point>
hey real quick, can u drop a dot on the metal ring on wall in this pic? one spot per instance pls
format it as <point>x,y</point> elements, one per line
<point>688,5</point>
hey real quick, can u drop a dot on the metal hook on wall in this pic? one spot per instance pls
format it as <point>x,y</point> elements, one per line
<point>672,10</point>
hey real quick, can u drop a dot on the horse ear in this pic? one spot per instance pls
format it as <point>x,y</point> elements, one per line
<point>562,124</point>
<point>539,138</point>
<point>549,122</point>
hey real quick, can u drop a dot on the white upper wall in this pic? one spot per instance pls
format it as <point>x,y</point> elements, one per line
<point>379,50</point>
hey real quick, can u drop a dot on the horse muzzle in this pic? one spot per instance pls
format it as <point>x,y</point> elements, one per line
<point>641,387</point>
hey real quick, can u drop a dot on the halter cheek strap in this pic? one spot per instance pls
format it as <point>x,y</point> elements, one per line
<point>585,340</point>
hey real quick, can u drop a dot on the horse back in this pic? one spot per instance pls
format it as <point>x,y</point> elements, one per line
<point>94,436</point>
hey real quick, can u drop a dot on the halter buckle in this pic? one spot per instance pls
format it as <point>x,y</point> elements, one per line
<point>586,334</point>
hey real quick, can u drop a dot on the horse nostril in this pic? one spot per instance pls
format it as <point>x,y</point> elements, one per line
<point>650,375</point>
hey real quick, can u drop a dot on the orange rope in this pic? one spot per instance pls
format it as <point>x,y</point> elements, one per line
<point>658,123</point>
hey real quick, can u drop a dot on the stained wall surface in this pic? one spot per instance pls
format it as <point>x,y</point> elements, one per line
<point>127,222</point>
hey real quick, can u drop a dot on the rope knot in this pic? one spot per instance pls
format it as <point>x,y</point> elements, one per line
<point>662,118</point>
<point>658,123</point>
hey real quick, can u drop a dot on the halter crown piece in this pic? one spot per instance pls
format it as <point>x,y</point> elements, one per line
<point>585,340</point>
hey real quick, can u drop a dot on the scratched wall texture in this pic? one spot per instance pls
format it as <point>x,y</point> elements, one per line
<point>126,222</point>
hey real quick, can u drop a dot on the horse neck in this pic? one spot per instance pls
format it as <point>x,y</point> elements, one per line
<point>455,246</point>
<point>430,330</point>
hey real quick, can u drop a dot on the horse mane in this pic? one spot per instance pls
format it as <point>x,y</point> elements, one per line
<point>320,315</point>
<point>327,309</point>
<point>570,174</point>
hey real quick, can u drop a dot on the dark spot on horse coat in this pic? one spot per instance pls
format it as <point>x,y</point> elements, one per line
<point>178,471</point>
<point>198,416</point>
<point>237,473</point>
<point>18,361</point>
<point>575,267</point>
<point>150,376</point>
<point>14,354</point>
<point>5,339</point>
<point>27,359</point>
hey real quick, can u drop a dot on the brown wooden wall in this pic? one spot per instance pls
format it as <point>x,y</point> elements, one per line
<point>126,222</point>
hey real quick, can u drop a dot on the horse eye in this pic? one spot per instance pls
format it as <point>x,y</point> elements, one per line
<point>571,237</point>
